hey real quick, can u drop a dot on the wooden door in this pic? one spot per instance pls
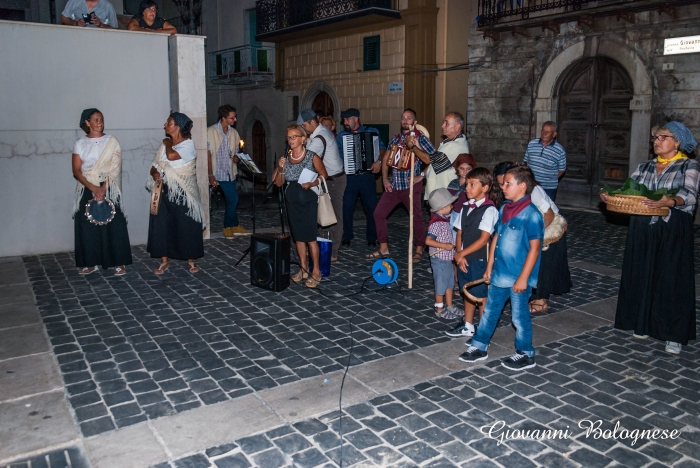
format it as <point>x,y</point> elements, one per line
<point>595,124</point>
<point>323,104</point>
<point>259,150</point>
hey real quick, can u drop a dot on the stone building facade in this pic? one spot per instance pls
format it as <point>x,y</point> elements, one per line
<point>601,74</point>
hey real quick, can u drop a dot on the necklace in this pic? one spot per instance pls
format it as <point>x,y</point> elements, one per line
<point>296,158</point>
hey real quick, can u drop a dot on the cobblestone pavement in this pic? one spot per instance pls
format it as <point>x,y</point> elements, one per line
<point>142,347</point>
<point>597,376</point>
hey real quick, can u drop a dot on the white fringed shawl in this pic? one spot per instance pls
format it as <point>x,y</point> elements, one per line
<point>182,185</point>
<point>107,168</point>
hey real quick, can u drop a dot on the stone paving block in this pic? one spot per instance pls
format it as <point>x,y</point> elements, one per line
<point>604,309</point>
<point>212,425</point>
<point>397,372</point>
<point>15,293</point>
<point>132,446</point>
<point>598,268</point>
<point>300,400</point>
<point>28,375</point>
<point>34,423</point>
<point>571,322</point>
<point>22,341</point>
<point>18,314</point>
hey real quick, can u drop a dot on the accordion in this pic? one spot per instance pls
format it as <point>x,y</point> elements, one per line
<point>359,152</point>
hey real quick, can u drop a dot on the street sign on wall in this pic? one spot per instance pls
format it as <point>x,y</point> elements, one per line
<point>682,45</point>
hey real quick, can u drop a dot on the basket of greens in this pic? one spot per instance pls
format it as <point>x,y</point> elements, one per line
<point>628,199</point>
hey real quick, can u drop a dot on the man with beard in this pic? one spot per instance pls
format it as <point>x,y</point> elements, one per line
<point>397,188</point>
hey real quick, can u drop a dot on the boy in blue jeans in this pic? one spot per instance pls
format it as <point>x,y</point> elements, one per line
<point>512,269</point>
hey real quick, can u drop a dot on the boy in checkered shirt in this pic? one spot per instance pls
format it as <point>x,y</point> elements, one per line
<point>441,249</point>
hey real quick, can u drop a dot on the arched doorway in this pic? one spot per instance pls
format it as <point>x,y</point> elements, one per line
<point>259,150</point>
<point>595,124</point>
<point>323,104</point>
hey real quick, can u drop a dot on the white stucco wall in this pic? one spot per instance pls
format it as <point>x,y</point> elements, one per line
<point>49,75</point>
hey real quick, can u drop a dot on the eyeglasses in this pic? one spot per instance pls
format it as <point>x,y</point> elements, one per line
<point>660,137</point>
<point>293,137</point>
<point>153,9</point>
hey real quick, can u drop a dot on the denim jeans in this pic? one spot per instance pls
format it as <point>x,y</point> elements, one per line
<point>521,319</point>
<point>231,197</point>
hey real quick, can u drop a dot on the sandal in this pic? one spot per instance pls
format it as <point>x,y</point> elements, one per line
<point>87,270</point>
<point>300,276</point>
<point>312,282</point>
<point>161,269</point>
<point>416,257</point>
<point>377,255</point>
<point>538,307</point>
<point>119,271</point>
<point>193,266</point>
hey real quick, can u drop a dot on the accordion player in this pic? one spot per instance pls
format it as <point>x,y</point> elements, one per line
<point>359,152</point>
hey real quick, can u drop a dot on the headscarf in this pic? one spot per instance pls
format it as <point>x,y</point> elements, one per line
<point>683,135</point>
<point>182,120</point>
<point>86,115</point>
<point>464,158</point>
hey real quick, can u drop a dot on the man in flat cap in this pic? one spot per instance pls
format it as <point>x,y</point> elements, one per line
<point>362,184</point>
<point>322,142</point>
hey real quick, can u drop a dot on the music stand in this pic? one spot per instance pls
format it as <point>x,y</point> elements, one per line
<point>280,198</point>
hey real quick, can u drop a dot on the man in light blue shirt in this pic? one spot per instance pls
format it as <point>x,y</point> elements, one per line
<point>102,14</point>
<point>547,159</point>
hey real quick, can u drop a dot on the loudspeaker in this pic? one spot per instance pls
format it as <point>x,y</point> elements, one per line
<point>269,261</point>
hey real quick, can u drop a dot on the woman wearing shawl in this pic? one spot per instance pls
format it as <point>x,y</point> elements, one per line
<point>176,231</point>
<point>97,166</point>
<point>657,287</point>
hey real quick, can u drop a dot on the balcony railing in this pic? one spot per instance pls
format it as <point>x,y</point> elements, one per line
<point>491,12</point>
<point>246,66</point>
<point>275,16</point>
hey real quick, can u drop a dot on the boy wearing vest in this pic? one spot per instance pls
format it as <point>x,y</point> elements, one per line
<point>474,224</point>
<point>512,269</point>
<point>441,250</point>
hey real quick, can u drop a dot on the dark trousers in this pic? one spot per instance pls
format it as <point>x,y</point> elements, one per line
<point>551,193</point>
<point>387,204</point>
<point>364,186</point>
<point>336,189</point>
<point>231,197</point>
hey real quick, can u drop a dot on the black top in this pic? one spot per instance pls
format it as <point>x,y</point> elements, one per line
<point>471,231</point>
<point>158,23</point>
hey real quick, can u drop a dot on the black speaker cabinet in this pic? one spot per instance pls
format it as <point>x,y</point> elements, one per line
<point>269,261</point>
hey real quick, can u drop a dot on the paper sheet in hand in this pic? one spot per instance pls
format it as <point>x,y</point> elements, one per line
<point>248,163</point>
<point>307,176</point>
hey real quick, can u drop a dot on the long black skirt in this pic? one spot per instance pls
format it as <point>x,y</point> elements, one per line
<point>173,234</point>
<point>302,209</point>
<point>554,276</point>
<point>657,288</point>
<point>106,245</point>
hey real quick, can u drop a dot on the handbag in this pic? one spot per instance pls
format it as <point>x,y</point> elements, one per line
<point>326,215</point>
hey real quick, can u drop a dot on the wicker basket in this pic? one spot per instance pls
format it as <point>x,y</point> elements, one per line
<point>632,204</point>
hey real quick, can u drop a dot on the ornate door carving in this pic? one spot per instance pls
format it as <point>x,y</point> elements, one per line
<point>595,123</point>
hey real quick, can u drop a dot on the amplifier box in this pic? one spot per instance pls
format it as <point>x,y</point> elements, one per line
<point>269,261</point>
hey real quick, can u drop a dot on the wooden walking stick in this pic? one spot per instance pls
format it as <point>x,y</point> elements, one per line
<point>410,218</point>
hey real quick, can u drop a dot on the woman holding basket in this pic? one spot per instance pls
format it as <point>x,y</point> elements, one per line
<point>657,287</point>
<point>302,203</point>
<point>97,166</point>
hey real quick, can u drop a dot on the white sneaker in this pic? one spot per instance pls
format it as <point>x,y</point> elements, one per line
<point>673,347</point>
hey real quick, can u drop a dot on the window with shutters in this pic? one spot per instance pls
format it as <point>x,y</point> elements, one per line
<point>371,53</point>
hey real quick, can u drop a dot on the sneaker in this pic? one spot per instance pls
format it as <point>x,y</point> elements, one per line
<point>229,232</point>
<point>673,347</point>
<point>240,230</point>
<point>449,312</point>
<point>473,354</point>
<point>463,329</point>
<point>640,337</point>
<point>519,361</point>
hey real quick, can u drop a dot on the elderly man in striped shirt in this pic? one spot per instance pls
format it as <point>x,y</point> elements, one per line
<point>547,159</point>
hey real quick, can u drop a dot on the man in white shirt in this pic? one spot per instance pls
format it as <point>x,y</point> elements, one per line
<point>322,142</point>
<point>99,14</point>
